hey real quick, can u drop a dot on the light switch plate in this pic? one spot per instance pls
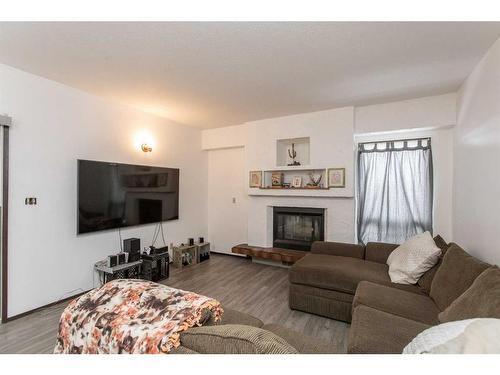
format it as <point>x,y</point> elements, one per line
<point>30,201</point>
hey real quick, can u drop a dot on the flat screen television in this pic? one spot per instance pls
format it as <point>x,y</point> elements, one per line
<point>114,195</point>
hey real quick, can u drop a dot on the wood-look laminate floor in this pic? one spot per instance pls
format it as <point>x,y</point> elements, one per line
<point>238,283</point>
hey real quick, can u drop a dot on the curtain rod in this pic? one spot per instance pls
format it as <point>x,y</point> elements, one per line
<point>397,140</point>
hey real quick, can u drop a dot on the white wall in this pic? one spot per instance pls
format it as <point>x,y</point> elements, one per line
<point>476,203</point>
<point>227,199</point>
<point>426,112</point>
<point>442,156</point>
<point>53,126</point>
<point>231,136</point>
<point>331,141</point>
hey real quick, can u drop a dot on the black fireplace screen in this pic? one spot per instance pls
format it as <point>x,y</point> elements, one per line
<point>297,228</point>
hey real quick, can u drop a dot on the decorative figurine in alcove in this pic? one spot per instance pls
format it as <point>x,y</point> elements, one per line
<point>293,154</point>
<point>313,181</point>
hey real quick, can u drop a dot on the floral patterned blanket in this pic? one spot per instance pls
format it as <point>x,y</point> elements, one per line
<point>131,316</point>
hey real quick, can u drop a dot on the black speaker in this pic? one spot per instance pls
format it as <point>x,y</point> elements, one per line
<point>112,260</point>
<point>132,245</point>
<point>134,257</point>
<point>121,258</point>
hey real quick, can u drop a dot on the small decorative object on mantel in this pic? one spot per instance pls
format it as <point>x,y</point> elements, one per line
<point>314,182</point>
<point>286,185</point>
<point>255,179</point>
<point>336,177</point>
<point>293,154</point>
<point>277,179</point>
<point>297,182</point>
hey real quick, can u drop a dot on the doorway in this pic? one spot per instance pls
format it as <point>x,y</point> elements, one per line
<point>227,199</point>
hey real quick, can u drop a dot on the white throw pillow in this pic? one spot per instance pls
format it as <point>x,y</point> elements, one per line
<point>471,336</point>
<point>408,262</point>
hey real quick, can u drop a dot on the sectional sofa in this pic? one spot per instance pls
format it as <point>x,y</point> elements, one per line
<point>351,283</point>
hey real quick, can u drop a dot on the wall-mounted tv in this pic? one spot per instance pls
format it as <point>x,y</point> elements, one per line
<point>114,195</point>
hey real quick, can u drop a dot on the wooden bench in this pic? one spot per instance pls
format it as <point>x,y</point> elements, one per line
<point>277,254</point>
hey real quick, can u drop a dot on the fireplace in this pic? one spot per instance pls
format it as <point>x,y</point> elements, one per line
<point>297,228</point>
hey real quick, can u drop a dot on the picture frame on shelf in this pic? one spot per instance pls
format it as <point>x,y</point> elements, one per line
<point>297,182</point>
<point>255,179</point>
<point>277,179</point>
<point>336,177</point>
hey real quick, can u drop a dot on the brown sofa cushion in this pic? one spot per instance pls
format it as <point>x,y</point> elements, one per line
<point>182,350</point>
<point>377,332</point>
<point>325,302</point>
<point>340,273</point>
<point>338,248</point>
<point>323,293</point>
<point>303,343</point>
<point>481,300</point>
<point>234,339</point>
<point>455,275</point>
<point>426,280</point>
<point>231,316</point>
<point>441,243</point>
<point>335,272</point>
<point>379,251</point>
<point>398,302</point>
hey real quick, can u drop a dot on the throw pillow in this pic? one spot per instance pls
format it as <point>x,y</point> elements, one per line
<point>481,300</point>
<point>409,261</point>
<point>455,275</point>
<point>471,336</point>
<point>425,281</point>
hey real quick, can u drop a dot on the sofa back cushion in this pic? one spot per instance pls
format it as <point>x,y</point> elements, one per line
<point>455,275</point>
<point>234,339</point>
<point>338,249</point>
<point>481,300</point>
<point>379,251</point>
<point>425,281</point>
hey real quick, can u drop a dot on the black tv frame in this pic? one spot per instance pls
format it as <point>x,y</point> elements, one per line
<point>120,226</point>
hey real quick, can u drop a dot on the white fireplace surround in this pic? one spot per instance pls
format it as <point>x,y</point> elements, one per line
<point>339,217</point>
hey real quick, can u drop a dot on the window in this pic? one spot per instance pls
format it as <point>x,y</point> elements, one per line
<point>394,190</point>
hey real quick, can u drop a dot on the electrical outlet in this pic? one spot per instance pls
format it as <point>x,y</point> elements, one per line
<point>234,200</point>
<point>30,201</point>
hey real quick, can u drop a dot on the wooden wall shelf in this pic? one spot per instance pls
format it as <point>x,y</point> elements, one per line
<point>297,188</point>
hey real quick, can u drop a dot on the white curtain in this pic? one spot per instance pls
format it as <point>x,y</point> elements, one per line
<point>394,190</point>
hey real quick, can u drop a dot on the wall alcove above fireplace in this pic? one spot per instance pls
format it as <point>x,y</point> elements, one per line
<point>298,227</point>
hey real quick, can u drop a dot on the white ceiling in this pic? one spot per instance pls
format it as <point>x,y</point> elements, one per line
<point>218,74</point>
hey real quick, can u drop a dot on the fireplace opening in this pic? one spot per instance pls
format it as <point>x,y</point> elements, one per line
<point>297,227</point>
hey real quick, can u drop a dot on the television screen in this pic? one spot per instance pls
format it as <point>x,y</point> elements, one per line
<point>113,195</point>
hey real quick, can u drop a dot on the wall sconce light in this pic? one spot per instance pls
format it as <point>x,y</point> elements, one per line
<point>146,148</point>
